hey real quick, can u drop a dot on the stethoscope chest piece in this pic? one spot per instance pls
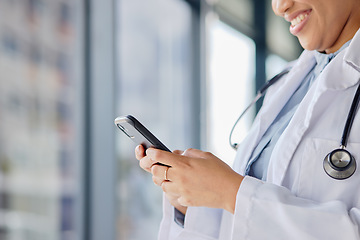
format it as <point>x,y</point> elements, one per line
<point>339,164</point>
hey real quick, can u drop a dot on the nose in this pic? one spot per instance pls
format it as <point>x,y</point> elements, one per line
<point>281,6</point>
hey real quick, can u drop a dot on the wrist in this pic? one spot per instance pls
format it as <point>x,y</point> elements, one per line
<point>233,189</point>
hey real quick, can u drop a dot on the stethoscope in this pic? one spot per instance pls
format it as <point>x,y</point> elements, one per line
<point>339,163</point>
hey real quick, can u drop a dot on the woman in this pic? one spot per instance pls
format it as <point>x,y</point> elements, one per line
<point>278,188</point>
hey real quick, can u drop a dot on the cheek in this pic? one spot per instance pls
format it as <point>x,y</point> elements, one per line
<point>273,4</point>
<point>318,34</point>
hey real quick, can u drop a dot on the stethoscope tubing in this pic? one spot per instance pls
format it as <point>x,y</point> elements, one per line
<point>350,118</point>
<point>260,93</point>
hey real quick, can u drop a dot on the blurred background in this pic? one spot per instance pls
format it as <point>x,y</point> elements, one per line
<point>68,68</point>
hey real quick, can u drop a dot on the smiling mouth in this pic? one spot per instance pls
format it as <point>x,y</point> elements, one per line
<point>299,19</point>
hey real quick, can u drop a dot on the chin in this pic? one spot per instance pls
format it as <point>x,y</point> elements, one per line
<point>309,46</point>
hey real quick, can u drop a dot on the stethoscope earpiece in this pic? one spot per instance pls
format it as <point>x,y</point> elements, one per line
<point>339,164</point>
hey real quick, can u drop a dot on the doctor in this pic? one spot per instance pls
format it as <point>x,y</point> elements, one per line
<point>277,188</point>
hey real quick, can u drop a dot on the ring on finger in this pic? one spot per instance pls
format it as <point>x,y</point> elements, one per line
<point>165,174</point>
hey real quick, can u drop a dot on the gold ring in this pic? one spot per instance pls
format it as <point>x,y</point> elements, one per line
<point>165,174</point>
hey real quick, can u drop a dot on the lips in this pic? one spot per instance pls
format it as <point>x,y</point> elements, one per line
<point>298,21</point>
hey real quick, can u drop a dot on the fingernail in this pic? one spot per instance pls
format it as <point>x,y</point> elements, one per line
<point>137,149</point>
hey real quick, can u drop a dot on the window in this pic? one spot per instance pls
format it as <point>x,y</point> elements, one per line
<point>155,69</point>
<point>39,140</point>
<point>230,86</point>
<point>274,65</point>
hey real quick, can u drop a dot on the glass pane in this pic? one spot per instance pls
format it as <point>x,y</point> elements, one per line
<point>38,140</point>
<point>230,86</point>
<point>155,82</point>
<point>274,65</point>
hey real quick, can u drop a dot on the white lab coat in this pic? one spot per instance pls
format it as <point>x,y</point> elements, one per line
<point>298,200</point>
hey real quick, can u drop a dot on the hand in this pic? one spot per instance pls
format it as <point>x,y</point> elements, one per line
<point>196,178</point>
<point>147,164</point>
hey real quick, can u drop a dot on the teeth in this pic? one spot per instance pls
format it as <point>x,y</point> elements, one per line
<point>299,19</point>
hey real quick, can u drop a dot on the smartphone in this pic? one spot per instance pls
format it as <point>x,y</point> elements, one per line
<point>138,133</point>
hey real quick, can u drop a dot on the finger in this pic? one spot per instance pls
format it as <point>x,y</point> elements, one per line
<point>139,152</point>
<point>184,202</point>
<point>178,152</point>
<point>157,181</point>
<point>146,163</point>
<point>167,189</point>
<point>163,157</point>
<point>171,189</point>
<point>160,172</point>
<point>172,196</point>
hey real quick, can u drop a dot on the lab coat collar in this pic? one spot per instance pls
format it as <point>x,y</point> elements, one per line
<point>349,70</point>
<point>352,57</point>
<point>284,89</point>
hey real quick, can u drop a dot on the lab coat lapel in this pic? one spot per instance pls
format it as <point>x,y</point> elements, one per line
<point>280,94</point>
<point>341,73</point>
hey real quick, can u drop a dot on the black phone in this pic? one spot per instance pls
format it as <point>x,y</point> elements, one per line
<point>138,133</point>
